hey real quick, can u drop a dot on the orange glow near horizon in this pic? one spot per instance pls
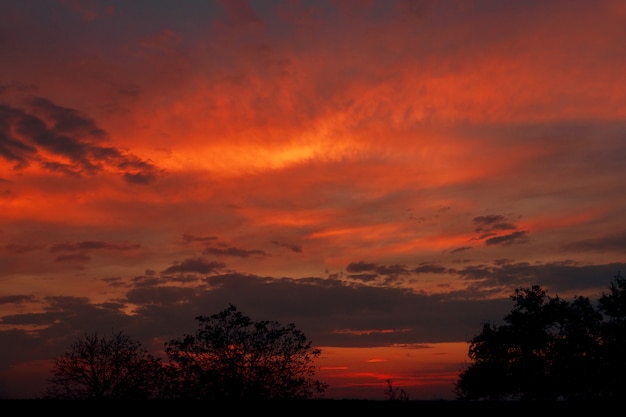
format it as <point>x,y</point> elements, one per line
<point>413,369</point>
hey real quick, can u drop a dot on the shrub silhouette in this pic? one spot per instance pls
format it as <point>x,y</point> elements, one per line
<point>550,349</point>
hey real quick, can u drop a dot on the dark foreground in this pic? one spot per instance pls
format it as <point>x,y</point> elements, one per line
<point>381,408</point>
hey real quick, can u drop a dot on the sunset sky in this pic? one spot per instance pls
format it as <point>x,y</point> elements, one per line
<point>382,174</point>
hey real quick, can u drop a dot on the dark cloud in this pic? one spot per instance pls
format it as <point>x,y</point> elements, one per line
<point>149,296</point>
<point>66,169</point>
<point>187,238</point>
<point>486,221</point>
<point>138,169</point>
<point>503,261</point>
<point>183,278</point>
<point>392,270</point>
<point>460,249</point>
<point>556,276</point>
<point>430,268</point>
<point>16,248</point>
<point>475,272</point>
<point>93,245</point>
<point>138,178</point>
<point>384,275</point>
<point>237,252</point>
<point>11,149</point>
<point>81,249</point>
<point>124,162</point>
<point>16,299</point>
<point>150,281</point>
<point>389,275</point>
<point>112,279</point>
<point>492,222</point>
<point>484,236</point>
<point>321,307</point>
<point>74,257</point>
<point>515,237</point>
<point>112,306</point>
<point>30,319</point>
<point>492,225</point>
<point>40,134</point>
<point>66,121</point>
<point>355,267</point>
<point>195,265</point>
<point>17,86</point>
<point>504,226</point>
<point>364,277</point>
<point>614,242</point>
<point>293,248</point>
<point>45,132</point>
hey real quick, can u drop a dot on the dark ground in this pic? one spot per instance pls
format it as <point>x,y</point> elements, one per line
<point>379,408</point>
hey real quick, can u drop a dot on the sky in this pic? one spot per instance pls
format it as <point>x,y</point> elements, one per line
<point>382,174</point>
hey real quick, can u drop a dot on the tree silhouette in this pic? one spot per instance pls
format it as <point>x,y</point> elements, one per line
<point>550,349</point>
<point>232,357</point>
<point>395,393</point>
<point>112,367</point>
<point>613,363</point>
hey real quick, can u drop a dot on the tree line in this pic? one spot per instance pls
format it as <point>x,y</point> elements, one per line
<point>547,349</point>
<point>551,349</point>
<point>230,357</point>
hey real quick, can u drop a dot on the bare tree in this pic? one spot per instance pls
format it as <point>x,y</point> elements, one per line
<point>97,367</point>
<point>395,393</point>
